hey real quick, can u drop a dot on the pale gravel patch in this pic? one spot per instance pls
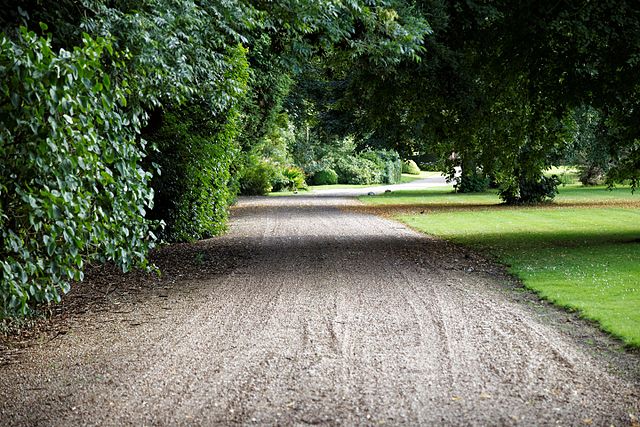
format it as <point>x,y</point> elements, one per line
<point>325,316</point>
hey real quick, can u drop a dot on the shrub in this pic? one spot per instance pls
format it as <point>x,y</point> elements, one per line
<point>194,191</point>
<point>289,178</point>
<point>71,186</point>
<point>392,172</point>
<point>410,167</point>
<point>530,191</point>
<point>325,177</point>
<point>356,170</point>
<point>388,165</point>
<point>297,177</point>
<point>369,167</point>
<point>473,183</point>
<point>256,176</point>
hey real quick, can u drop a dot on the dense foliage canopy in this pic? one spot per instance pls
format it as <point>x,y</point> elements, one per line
<point>131,120</point>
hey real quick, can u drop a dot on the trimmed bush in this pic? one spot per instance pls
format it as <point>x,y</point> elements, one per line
<point>410,167</point>
<point>325,177</point>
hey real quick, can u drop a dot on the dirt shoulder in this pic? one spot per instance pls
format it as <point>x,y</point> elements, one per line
<point>306,313</point>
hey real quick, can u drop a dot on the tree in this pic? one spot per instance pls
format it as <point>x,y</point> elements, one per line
<point>497,83</point>
<point>74,183</point>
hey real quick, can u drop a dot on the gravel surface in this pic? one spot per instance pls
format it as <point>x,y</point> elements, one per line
<point>309,313</point>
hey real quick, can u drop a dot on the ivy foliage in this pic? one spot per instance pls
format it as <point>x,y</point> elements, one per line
<point>78,98</point>
<point>71,187</point>
<point>178,49</point>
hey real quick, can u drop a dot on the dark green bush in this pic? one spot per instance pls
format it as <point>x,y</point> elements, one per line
<point>325,177</point>
<point>474,183</point>
<point>195,154</point>
<point>410,167</point>
<point>71,186</point>
<point>530,191</point>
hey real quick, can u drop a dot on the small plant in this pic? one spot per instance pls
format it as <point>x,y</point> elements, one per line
<point>289,178</point>
<point>296,177</point>
<point>200,258</point>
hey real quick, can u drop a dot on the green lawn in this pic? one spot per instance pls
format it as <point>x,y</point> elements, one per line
<point>444,196</point>
<point>577,253</point>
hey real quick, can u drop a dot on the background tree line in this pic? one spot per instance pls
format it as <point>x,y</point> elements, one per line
<point>126,121</point>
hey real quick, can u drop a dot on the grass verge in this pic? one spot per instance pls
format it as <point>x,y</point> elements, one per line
<point>582,252</point>
<point>443,197</point>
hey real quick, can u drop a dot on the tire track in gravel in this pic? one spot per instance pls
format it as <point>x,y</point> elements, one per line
<point>333,318</point>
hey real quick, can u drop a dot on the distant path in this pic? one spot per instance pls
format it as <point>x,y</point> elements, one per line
<point>305,313</point>
<point>418,184</point>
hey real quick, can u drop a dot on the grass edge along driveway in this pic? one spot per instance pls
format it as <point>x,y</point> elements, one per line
<point>584,257</point>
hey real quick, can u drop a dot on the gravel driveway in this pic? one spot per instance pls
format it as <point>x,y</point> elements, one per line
<point>308,313</point>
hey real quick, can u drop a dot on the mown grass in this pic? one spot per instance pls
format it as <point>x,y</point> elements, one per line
<point>444,196</point>
<point>578,252</point>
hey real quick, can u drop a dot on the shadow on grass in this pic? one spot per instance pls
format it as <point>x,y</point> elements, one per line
<point>427,208</point>
<point>509,240</point>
